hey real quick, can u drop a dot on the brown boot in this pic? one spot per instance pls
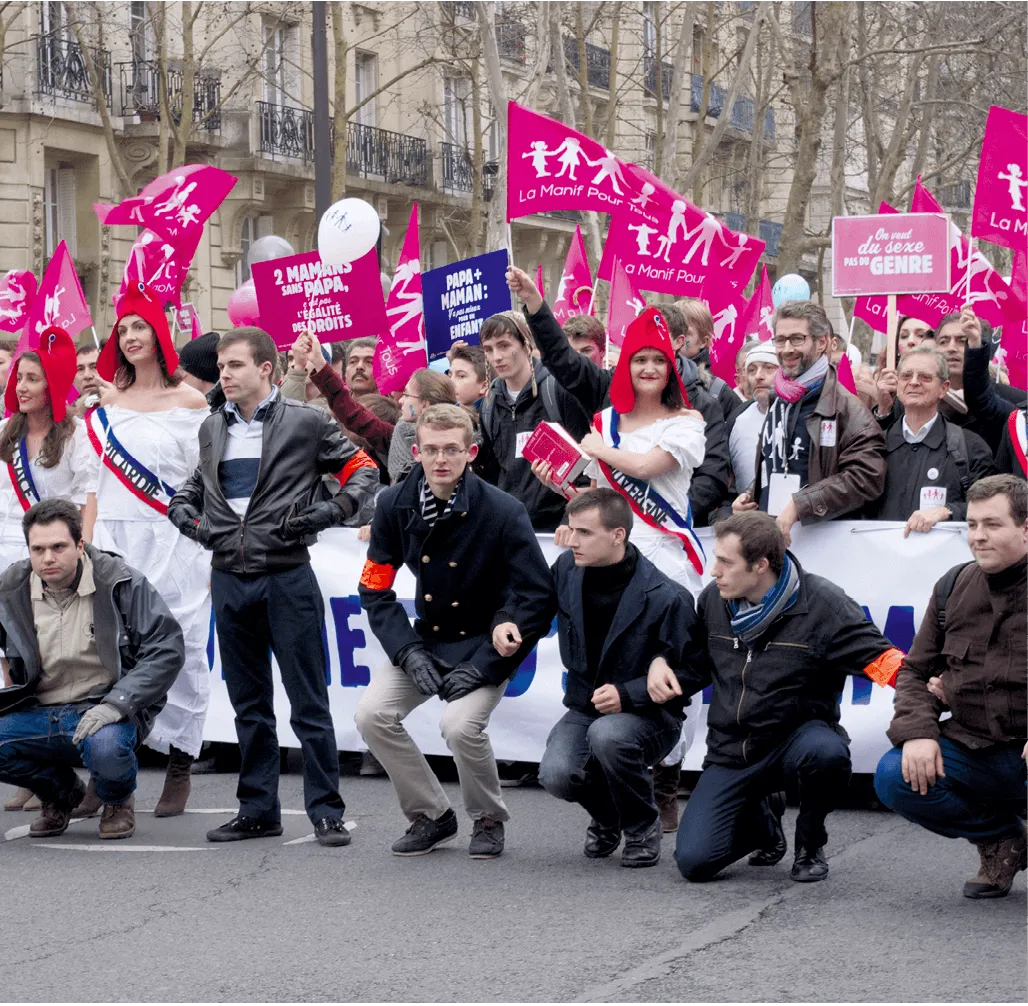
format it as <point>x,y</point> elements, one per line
<point>177,785</point>
<point>1000,862</point>
<point>118,820</point>
<point>56,816</point>
<point>21,800</point>
<point>665,791</point>
<point>91,803</point>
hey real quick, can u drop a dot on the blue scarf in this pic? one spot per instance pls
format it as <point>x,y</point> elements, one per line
<point>750,621</point>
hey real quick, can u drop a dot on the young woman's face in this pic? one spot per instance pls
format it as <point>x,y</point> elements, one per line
<point>649,370</point>
<point>31,387</point>
<point>136,339</point>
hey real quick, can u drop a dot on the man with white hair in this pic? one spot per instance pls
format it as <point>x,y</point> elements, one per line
<point>761,364</point>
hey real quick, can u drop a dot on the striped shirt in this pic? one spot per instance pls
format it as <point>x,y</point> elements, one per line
<point>237,472</point>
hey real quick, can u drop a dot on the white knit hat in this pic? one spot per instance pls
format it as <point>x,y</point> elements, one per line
<point>762,352</point>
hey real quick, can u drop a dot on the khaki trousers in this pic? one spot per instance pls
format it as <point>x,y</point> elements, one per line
<point>388,700</point>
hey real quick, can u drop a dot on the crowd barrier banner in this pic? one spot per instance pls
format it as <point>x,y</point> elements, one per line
<point>889,575</point>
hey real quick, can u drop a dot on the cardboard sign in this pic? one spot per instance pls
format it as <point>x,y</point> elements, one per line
<point>457,298</point>
<point>335,302</point>
<point>889,254</point>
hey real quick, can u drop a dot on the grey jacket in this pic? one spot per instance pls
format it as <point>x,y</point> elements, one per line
<point>137,638</point>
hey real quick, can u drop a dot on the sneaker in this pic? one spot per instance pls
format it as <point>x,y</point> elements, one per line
<point>55,818</point>
<point>486,839</point>
<point>330,831</point>
<point>118,820</point>
<point>810,865</point>
<point>600,840</point>
<point>241,828</point>
<point>774,852</point>
<point>1000,862</point>
<point>424,834</point>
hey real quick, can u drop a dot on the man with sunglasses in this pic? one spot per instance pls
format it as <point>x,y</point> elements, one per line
<point>483,597</point>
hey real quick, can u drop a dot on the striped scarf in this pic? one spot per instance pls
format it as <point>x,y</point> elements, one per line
<point>750,621</point>
<point>430,505</point>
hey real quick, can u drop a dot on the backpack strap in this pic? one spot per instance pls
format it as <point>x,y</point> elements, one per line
<point>717,385</point>
<point>548,389</point>
<point>956,447</point>
<point>944,588</point>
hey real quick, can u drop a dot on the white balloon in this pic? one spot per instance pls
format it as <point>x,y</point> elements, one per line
<point>268,247</point>
<point>348,230</point>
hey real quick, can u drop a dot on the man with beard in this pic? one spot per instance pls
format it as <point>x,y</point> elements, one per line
<point>759,370</point>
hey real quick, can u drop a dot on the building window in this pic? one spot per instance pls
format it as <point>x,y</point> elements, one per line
<point>141,31</point>
<point>254,226</point>
<point>365,73</point>
<point>59,208</point>
<point>52,19</point>
<point>438,252</point>
<point>281,63</point>
<point>650,15</point>
<point>456,110</point>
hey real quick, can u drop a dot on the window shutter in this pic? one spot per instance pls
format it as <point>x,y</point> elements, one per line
<point>66,209</point>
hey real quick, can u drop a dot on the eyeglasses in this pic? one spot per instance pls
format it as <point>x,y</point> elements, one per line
<point>447,452</point>
<point>781,341</point>
<point>908,375</point>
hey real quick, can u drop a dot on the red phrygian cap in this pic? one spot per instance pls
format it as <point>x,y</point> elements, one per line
<point>648,331</point>
<point>57,358</point>
<point>140,300</point>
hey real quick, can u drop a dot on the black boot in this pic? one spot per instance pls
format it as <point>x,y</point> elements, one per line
<point>643,849</point>
<point>775,850</point>
<point>810,865</point>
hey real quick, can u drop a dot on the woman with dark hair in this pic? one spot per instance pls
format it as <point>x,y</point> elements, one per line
<point>145,433</point>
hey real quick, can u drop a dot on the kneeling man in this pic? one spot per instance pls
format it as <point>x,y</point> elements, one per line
<point>617,613</point>
<point>92,650</point>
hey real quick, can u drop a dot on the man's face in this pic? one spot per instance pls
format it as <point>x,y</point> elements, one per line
<point>919,384</point>
<point>760,375</point>
<point>694,342</point>
<point>733,577</point>
<point>591,543</point>
<point>584,345</point>
<point>54,554</point>
<point>794,347</point>
<point>443,454</point>
<point>86,378</point>
<point>995,540</point>
<point>5,365</point>
<point>466,383</point>
<point>242,380</point>
<point>506,355</point>
<point>360,370</point>
<point>911,334</point>
<point>952,342</point>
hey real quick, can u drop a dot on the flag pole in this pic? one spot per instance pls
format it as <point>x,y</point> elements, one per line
<point>96,341</point>
<point>967,282</point>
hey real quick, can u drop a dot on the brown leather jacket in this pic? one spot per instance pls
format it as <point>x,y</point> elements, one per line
<point>849,473</point>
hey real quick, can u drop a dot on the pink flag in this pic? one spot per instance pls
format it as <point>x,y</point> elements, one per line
<point>539,281</point>
<point>626,304</point>
<point>553,167</point>
<point>402,348</point>
<point>60,302</point>
<point>844,372</point>
<point>575,293</point>
<point>758,319</point>
<point>727,306</point>
<point>17,291</point>
<point>175,205</point>
<point>1001,192</point>
<point>1014,339</point>
<point>159,264</point>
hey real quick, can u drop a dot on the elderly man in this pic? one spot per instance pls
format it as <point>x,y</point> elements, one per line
<point>821,454</point>
<point>931,461</point>
<point>92,651</point>
<point>760,367</point>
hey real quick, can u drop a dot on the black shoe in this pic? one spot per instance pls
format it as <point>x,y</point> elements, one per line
<point>600,840</point>
<point>331,831</point>
<point>774,852</point>
<point>810,865</point>
<point>486,839</point>
<point>424,834</point>
<point>644,849</point>
<point>241,828</point>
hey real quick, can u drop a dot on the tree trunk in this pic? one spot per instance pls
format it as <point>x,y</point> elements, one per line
<point>681,83</point>
<point>496,221</point>
<point>340,120</point>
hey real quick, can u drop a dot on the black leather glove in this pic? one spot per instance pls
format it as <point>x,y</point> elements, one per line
<point>186,518</point>
<point>461,681</point>
<point>316,518</point>
<point>419,665</point>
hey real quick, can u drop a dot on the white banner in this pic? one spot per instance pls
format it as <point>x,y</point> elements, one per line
<point>891,576</point>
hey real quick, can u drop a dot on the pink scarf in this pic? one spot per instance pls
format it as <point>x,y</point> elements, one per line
<point>793,389</point>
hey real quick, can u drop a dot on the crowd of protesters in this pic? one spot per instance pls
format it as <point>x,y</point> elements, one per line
<point>210,472</point>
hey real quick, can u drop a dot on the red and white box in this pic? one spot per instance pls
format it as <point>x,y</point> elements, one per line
<point>552,443</point>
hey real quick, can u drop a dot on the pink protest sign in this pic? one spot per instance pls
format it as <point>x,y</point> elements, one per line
<point>335,302</point>
<point>728,308</point>
<point>17,292</point>
<point>898,253</point>
<point>159,264</point>
<point>1001,192</point>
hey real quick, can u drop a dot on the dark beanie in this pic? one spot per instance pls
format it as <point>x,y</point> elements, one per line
<point>199,357</point>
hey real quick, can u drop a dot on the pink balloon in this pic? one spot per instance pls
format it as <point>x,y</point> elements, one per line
<point>242,306</point>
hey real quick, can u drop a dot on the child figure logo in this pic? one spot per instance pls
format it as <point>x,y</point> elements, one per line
<point>1016,185</point>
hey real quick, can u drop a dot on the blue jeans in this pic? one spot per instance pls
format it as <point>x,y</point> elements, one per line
<point>36,751</point>
<point>981,797</point>
<point>603,763</point>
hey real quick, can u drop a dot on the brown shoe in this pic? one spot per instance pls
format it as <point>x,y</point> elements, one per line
<point>55,818</point>
<point>177,785</point>
<point>665,791</point>
<point>21,800</point>
<point>118,820</point>
<point>91,803</point>
<point>1000,862</point>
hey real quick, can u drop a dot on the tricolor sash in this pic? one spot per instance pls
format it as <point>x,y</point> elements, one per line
<point>132,474</point>
<point>1018,438</point>
<point>20,473</point>
<point>646,503</point>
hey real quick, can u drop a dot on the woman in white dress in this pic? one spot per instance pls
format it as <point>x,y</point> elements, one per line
<point>46,454</point>
<point>145,429</point>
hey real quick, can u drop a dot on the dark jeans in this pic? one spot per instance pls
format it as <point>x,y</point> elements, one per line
<point>603,763</point>
<point>36,751</point>
<point>726,817</point>
<point>980,798</point>
<point>281,612</point>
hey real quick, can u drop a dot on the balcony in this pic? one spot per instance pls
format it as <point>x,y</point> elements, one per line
<point>459,172</point>
<point>736,221</point>
<point>770,233</point>
<point>458,11</point>
<point>597,63</point>
<point>743,114</point>
<point>140,94</point>
<point>511,40</point>
<point>380,153</point>
<point>286,131</point>
<point>769,124</point>
<point>650,77</point>
<point>716,101</point>
<point>61,70</point>
<point>956,196</point>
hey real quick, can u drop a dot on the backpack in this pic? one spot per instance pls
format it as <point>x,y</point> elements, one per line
<point>956,447</point>
<point>547,386</point>
<point>944,588</point>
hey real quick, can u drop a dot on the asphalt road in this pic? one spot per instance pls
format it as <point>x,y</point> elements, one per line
<point>165,916</point>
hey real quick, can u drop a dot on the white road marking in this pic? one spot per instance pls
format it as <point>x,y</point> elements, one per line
<point>102,847</point>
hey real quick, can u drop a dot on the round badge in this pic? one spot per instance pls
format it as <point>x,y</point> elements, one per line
<point>933,473</point>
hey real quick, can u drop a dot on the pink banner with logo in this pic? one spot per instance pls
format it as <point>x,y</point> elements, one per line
<point>155,261</point>
<point>575,293</point>
<point>626,304</point>
<point>60,302</point>
<point>17,292</point>
<point>402,348</point>
<point>727,307</point>
<point>1014,339</point>
<point>1001,192</point>
<point>758,320</point>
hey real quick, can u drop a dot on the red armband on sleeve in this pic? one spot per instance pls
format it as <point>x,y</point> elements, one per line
<point>883,671</point>
<point>377,575</point>
<point>359,460</point>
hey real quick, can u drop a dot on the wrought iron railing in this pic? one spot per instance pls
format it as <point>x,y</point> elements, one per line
<point>770,233</point>
<point>395,157</point>
<point>650,77</point>
<point>597,62</point>
<point>286,130</point>
<point>956,195</point>
<point>455,11</point>
<point>511,40</point>
<point>459,171</point>
<point>141,95</point>
<point>61,70</point>
<point>737,221</point>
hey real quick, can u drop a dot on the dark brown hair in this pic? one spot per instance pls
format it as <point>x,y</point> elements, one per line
<point>384,407</point>
<point>262,348</point>
<point>50,511</point>
<point>760,537</point>
<point>612,506</point>
<point>1015,490</point>
<point>474,355</point>
<point>585,326</point>
<point>125,372</point>
<point>57,436</point>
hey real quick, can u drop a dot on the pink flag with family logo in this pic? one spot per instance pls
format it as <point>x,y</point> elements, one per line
<point>1014,338</point>
<point>402,348</point>
<point>758,319</point>
<point>1001,192</point>
<point>175,205</point>
<point>155,261</point>
<point>17,292</point>
<point>551,166</point>
<point>727,307</point>
<point>59,302</point>
<point>575,293</point>
<point>626,304</point>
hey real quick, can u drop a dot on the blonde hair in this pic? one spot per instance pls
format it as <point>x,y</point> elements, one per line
<point>698,315</point>
<point>447,417</point>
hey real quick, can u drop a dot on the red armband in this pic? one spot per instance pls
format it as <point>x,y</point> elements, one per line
<point>883,671</point>
<point>377,575</point>
<point>359,460</point>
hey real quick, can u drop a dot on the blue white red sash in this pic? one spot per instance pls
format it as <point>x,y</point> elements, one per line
<point>646,503</point>
<point>20,473</point>
<point>132,474</point>
<point>1018,437</point>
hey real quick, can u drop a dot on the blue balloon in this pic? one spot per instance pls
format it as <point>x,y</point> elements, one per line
<point>790,287</point>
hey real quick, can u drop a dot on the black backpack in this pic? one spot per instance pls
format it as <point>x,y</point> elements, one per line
<point>944,588</point>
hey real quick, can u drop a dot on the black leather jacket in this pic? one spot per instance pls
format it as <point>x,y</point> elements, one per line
<point>300,445</point>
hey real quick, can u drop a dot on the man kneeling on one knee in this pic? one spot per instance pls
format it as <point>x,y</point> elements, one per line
<point>92,650</point>
<point>617,613</point>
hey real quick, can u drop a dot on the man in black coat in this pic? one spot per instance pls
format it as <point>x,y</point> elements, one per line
<point>781,642</point>
<point>483,598</point>
<point>616,614</point>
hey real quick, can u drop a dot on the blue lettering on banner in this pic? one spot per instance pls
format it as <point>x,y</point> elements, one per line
<point>351,675</point>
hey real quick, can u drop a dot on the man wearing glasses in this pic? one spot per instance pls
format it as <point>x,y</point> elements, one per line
<point>483,597</point>
<point>820,454</point>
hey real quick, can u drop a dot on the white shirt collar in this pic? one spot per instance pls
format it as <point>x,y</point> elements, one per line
<point>915,438</point>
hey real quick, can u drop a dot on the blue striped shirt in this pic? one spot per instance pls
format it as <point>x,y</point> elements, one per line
<point>237,472</point>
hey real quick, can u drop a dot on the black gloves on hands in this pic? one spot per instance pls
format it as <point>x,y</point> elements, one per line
<point>186,518</point>
<point>461,681</point>
<point>419,665</point>
<point>317,517</point>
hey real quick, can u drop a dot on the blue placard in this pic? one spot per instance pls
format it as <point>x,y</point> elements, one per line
<point>459,297</point>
